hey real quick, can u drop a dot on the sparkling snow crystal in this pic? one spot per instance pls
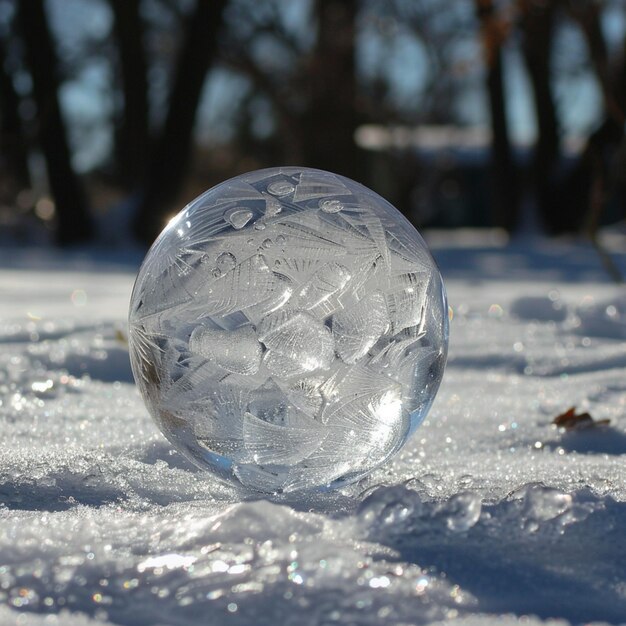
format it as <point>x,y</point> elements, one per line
<point>288,330</point>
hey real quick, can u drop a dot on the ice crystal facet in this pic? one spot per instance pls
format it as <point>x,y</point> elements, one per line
<point>288,330</point>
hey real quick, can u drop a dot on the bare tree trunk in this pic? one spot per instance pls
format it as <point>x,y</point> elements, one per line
<point>505,188</point>
<point>589,184</point>
<point>173,148</point>
<point>73,222</point>
<point>619,80</point>
<point>14,174</point>
<point>132,136</point>
<point>332,117</point>
<point>588,13</point>
<point>537,22</point>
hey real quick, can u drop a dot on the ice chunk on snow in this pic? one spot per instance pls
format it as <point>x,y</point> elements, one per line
<point>544,503</point>
<point>297,338</point>
<point>237,351</point>
<point>462,511</point>
<point>394,511</point>
<point>358,328</point>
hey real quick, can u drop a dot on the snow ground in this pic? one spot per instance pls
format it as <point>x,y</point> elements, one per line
<point>490,515</point>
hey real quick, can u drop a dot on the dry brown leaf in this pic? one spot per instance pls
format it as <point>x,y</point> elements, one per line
<point>570,420</point>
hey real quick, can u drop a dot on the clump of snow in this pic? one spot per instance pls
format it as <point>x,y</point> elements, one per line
<point>490,515</point>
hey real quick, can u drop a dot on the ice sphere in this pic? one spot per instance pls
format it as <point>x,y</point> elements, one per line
<point>288,330</point>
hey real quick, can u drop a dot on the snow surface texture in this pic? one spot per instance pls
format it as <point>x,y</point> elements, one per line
<point>488,513</point>
<point>288,330</point>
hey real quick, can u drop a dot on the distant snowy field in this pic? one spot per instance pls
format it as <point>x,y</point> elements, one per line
<point>490,515</point>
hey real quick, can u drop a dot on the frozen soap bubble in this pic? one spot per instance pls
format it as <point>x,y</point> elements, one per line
<point>288,330</point>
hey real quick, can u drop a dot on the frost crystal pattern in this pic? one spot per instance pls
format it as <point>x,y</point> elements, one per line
<point>288,330</point>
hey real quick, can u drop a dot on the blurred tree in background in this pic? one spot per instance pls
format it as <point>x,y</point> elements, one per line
<point>114,113</point>
<point>168,163</point>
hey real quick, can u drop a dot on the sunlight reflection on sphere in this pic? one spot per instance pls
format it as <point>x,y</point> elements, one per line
<point>288,330</point>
